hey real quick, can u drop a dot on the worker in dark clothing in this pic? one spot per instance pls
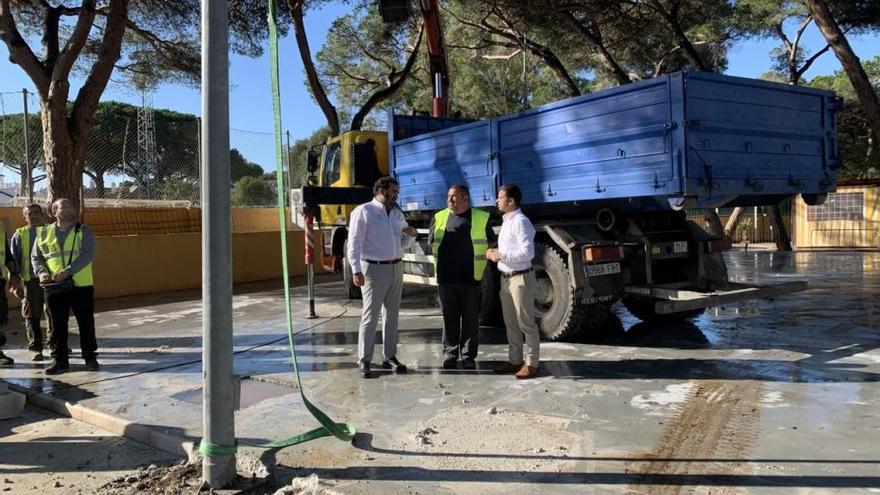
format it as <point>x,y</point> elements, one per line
<point>14,282</point>
<point>459,237</point>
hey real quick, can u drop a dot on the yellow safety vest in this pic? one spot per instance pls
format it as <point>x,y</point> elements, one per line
<point>24,235</point>
<point>479,220</point>
<point>56,257</point>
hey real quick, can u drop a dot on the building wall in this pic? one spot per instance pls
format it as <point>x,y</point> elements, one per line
<point>156,262</point>
<point>818,232</point>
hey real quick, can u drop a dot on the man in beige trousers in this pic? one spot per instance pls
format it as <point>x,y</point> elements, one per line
<point>516,248</point>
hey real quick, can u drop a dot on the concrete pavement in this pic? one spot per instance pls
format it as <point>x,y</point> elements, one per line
<point>766,396</point>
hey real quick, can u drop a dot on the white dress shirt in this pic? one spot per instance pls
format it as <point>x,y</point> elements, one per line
<point>516,242</point>
<point>376,234</point>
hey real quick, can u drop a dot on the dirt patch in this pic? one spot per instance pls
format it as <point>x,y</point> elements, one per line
<point>178,479</point>
<point>713,434</point>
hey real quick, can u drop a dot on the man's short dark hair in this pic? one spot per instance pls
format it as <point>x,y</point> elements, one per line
<point>462,189</point>
<point>383,184</point>
<point>513,192</point>
<point>33,206</point>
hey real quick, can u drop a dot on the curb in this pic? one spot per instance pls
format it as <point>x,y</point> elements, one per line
<point>121,427</point>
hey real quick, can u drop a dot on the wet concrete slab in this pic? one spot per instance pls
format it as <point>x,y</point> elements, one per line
<point>768,396</point>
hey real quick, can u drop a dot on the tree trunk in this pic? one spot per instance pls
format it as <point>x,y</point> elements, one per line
<point>397,80</point>
<point>302,43</point>
<point>851,65</point>
<point>714,223</point>
<point>783,241</point>
<point>64,161</point>
<point>733,221</point>
<point>100,186</point>
<point>23,174</point>
<point>605,57</point>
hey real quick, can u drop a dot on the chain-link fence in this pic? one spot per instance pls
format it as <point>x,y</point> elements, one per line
<point>137,156</point>
<point>21,144</point>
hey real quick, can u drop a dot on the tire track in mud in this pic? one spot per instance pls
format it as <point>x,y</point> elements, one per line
<point>718,419</point>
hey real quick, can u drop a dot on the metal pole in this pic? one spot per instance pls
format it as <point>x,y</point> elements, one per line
<point>27,149</point>
<point>310,261</point>
<point>289,178</point>
<point>755,226</point>
<point>217,398</point>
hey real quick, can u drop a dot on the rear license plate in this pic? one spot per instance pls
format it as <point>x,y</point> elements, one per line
<point>680,247</point>
<point>603,269</point>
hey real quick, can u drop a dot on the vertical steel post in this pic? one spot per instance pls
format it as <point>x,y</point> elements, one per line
<point>218,469</point>
<point>27,149</point>
<point>310,261</point>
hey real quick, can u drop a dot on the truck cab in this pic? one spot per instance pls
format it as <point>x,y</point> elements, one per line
<point>353,159</point>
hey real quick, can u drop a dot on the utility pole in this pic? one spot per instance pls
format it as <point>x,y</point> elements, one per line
<point>27,149</point>
<point>218,431</point>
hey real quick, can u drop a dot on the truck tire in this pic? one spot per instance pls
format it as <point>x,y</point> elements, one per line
<point>351,291</point>
<point>560,313</point>
<point>490,298</point>
<point>643,309</point>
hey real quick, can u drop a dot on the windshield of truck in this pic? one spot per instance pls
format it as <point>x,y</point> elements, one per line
<point>332,160</point>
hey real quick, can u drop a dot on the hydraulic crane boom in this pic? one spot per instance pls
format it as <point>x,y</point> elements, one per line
<point>395,11</point>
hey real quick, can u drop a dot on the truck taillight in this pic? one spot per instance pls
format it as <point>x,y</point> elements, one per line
<point>603,253</point>
<point>718,245</point>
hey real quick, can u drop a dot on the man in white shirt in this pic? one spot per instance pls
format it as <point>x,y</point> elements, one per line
<point>516,248</point>
<point>378,234</point>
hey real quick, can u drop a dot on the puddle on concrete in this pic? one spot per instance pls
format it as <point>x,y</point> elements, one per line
<point>252,392</point>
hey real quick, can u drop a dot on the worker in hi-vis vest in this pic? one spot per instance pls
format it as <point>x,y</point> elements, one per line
<point>459,237</point>
<point>62,259</point>
<point>30,292</point>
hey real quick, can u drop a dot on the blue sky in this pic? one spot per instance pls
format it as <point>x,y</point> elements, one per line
<point>250,97</point>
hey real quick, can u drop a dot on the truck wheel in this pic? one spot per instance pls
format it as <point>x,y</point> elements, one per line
<point>560,313</point>
<point>490,299</point>
<point>351,291</point>
<point>643,309</point>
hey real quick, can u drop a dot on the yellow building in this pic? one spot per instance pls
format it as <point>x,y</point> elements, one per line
<point>849,218</point>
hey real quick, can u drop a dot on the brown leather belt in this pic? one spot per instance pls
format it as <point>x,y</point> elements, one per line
<point>515,273</point>
<point>384,262</point>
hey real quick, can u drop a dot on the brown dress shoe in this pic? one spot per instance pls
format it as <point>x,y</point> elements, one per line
<point>508,368</point>
<point>527,372</point>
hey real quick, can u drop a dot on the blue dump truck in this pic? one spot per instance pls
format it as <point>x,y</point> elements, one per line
<point>606,179</point>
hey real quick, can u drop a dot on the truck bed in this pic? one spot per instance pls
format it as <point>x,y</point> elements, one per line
<point>687,139</point>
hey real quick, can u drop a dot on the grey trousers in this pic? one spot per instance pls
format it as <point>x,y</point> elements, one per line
<point>32,312</point>
<point>518,307</point>
<point>381,292</point>
<point>461,320</point>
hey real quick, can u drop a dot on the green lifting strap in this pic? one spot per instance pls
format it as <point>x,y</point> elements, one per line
<point>342,431</point>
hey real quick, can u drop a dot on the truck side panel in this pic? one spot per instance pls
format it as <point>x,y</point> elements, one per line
<point>427,165</point>
<point>612,144</point>
<point>751,138</point>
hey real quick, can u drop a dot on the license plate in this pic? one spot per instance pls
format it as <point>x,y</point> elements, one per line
<point>604,269</point>
<point>680,247</point>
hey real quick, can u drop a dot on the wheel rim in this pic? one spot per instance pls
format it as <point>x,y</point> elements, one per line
<point>543,291</point>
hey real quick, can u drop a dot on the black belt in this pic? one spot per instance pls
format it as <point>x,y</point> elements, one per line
<point>515,273</point>
<point>384,262</point>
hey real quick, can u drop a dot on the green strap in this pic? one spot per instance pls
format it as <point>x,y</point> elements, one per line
<point>342,431</point>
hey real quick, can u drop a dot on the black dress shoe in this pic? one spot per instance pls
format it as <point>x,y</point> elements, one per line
<point>394,365</point>
<point>364,367</point>
<point>468,364</point>
<point>450,363</point>
<point>57,368</point>
<point>92,365</point>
